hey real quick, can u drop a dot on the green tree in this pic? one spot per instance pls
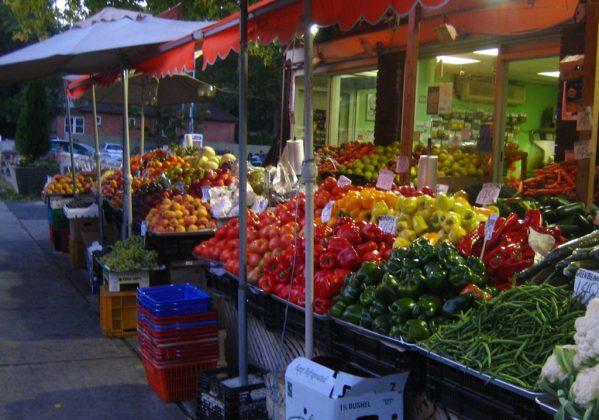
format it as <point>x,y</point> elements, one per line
<point>33,133</point>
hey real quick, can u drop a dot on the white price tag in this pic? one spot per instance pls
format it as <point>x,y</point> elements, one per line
<point>143,228</point>
<point>205,194</point>
<point>402,165</point>
<point>490,226</point>
<point>441,188</point>
<point>385,179</point>
<point>180,186</point>
<point>488,194</point>
<point>343,181</point>
<point>582,149</point>
<point>454,142</point>
<point>586,285</point>
<point>260,205</point>
<point>584,120</point>
<point>388,224</point>
<point>327,211</point>
<point>465,134</point>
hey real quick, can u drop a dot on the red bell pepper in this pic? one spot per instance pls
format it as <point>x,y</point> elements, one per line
<point>476,292</point>
<point>282,290</point>
<point>325,284</point>
<point>533,219</point>
<point>349,259</point>
<point>372,232</point>
<point>267,284</point>
<point>372,256</point>
<point>336,244</point>
<point>341,274</point>
<point>351,233</point>
<point>321,306</point>
<point>271,265</point>
<point>321,232</point>
<point>366,247</point>
<point>328,260</point>
<point>297,296</point>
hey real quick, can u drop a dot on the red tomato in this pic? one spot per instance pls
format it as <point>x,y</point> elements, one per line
<point>273,231</point>
<point>253,259</point>
<point>274,243</point>
<point>233,243</point>
<point>233,232</point>
<point>221,232</point>
<point>286,239</point>
<point>225,254</point>
<point>252,234</point>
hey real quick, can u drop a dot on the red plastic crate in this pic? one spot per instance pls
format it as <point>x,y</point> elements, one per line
<point>177,334</point>
<point>180,319</point>
<point>177,382</point>
<point>190,351</point>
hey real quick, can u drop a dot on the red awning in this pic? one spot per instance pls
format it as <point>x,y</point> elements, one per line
<point>179,59</point>
<point>280,19</point>
<point>77,87</point>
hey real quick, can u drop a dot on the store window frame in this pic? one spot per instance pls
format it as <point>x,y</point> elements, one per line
<point>77,125</point>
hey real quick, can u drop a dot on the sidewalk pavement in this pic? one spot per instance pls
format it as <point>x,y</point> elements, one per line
<point>54,361</point>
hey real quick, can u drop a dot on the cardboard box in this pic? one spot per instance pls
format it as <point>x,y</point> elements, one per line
<point>314,391</point>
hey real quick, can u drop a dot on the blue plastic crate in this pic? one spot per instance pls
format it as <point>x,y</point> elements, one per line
<point>180,299</point>
<point>175,326</point>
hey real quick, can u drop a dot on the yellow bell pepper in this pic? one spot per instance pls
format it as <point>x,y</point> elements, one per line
<point>432,237</point>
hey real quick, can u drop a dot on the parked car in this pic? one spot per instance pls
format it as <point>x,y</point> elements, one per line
<point>57,146</point>
<point>112,150</point>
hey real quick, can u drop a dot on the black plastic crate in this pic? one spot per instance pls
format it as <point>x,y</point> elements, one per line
<point>264,308</point>
<point>224,285</point>
<point>216,400</point>
<point>474,398</point>
<point>379,358</point>
<point>175,247</point>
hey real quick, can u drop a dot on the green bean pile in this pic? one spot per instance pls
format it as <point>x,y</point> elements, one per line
<point>511,336</point>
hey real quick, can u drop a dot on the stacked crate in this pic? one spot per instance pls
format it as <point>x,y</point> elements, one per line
<point>177,335</point>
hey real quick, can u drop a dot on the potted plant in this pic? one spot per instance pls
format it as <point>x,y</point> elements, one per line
<point>33,141</point>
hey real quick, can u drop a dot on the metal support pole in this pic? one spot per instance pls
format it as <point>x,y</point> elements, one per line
<point>69,129</point>
<point>192,111</point>
<point>98,168</point>
<point>309,178</point>
<point>143,129</point>
<point>127,205</point>
<point>241,296</point>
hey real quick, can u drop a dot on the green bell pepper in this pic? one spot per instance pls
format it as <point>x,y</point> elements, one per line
<point>377,308</point>
<point>337,309</point>
<point>402,308</point>
<point>366,320</point>
<point>423,250</point>
<point>415,330</point>
<point>476,264</point>
<point>460,276</point>
<point>411,262</point>
<point>411,284</point>
<point>452,307</point>
<point>353,313</point>
<point>386,291</point>
<point>427,307</point>
<point>395,331</point>
<point>455,260</point>
<point>393,266</point>
<point>445,249</point>
<point>399,253</point>
<point>367,295</point>
<point>436,277</point>
<point>370,273</point>
<point>382,324</point>
<point>349,294</point>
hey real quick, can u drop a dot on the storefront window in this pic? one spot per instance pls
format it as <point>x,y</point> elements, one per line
<point>320,100</point>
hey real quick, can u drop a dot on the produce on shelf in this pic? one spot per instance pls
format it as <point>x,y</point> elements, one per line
<point>560,265</point>
<point>149,196</point>
<point>511,336</point>
<point>211,178</point>
<point>130,255</point>
<point>454,161</point>
<point>416,290</point>
<point>366,204</point>
<point>338,158</point>
<point>184,213</point>
<point>63,184</point>
<point>571,373</point>
<point>509,252</point>
<point>556,179</point>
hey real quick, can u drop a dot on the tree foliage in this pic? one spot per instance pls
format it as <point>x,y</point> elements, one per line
<point>33,133</point>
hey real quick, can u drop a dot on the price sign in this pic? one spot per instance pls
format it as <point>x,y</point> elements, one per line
<point>388,224</point>
<point>584,120</point>
<point>205,194</point>
<point>343,181</point>
<point>465,134</point>
<point>385,179</point>
<point>490,226</point>
<point>260,205</point>
<point>488,194</point>
<point>143,228</point>
<point>441,188</point>
<point>454,142</point>
<point>586,285</point>
<point>327,211</point>
<point>402,165</point>
<point>180,186</point>
<point>582,149</point>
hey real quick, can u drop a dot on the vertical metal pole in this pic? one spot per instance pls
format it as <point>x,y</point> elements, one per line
<point>143,129</point>
<point>243,82</point>
<point>192,111</point>
<point>127,205</point>
<point>98,168</point>
<point>501,70</point>
<point>69,129</point>
<point>309,178</point>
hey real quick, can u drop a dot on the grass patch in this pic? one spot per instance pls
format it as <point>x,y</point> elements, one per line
<point>8,195</point>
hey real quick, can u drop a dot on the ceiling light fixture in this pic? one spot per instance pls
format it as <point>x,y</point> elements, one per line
<point>549,73</point>
<point>490,51</point>
<point>450,59</point>
<point>314,29</point>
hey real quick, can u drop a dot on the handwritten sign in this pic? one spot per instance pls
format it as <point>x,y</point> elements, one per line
<point>402,165</point>
<point>180,186</point>
<point>454,142</point>
<point>441,188</point>
<point>586,285</point>
<point>584,120</point>
<point>327,212</point>
<point>582,149</point>
<point>205,194</point>
<point>388,224</point>
<point>260,205</point>
<point>143,228</point>
<point>488,194</point>
<point>343,181</point>
<point>490,226</point>
<point>385,179</point>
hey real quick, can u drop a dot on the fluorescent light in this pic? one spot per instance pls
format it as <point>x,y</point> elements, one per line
<point>549,73</point>
<point>314,29</point>
<point>449,59</point>
<point>489,51</point>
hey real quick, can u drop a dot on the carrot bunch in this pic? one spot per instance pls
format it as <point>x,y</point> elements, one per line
<point>556,179</point>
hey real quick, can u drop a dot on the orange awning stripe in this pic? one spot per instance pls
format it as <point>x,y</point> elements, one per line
<point>177,60</point>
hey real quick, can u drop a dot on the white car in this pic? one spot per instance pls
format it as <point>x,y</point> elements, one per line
<point>112,151</point>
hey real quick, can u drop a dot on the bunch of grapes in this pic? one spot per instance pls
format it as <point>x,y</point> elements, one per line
<point>130,255</point>
<point>148,197</point>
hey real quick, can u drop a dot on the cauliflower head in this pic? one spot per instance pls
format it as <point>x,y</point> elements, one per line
<point>557,366</point>
<point>587,333</point>
<point>586,386</point>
